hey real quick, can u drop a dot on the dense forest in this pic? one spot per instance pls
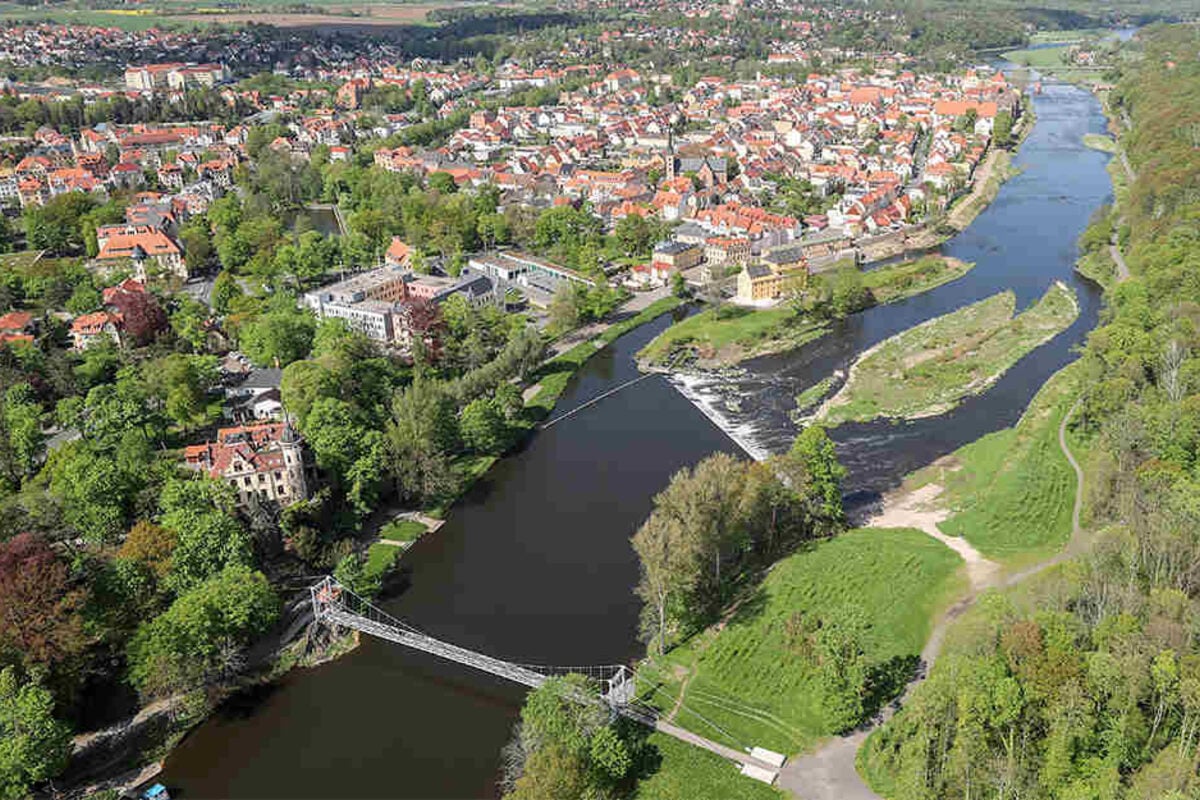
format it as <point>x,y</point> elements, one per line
<point>1086,684</point>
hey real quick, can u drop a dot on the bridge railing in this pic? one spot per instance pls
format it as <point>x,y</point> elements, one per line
<point>334,603</point>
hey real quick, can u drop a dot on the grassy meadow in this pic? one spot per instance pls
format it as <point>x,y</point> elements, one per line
<point>747,682</point>
<point>689,773</point>
<point>1012,491</point>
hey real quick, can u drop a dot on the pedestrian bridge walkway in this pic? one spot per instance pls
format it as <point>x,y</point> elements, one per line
<point>334,604</point>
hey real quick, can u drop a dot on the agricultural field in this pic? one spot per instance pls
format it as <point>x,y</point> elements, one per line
<point>1012,491</point>
<point>727,335</point>
<point>750,681</point>
<point>1040,58</point>
<point>927,370</point>
<point>200,14</point>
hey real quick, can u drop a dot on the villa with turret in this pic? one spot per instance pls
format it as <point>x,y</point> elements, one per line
<point>263,462</point>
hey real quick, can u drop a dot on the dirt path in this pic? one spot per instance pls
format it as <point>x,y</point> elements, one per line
<point>829,772</point>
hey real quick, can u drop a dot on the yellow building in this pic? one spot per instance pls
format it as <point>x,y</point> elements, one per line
<point>782,269</point>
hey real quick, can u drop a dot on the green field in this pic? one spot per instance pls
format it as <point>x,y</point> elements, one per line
<point>1039,58</point>
<point>929,369</point>
<point>689,773</point>
<point>733,333</point>
<point>1012,491</point>
<point>747,684</point>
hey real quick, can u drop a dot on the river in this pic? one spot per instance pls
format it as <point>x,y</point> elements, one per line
<point>534,564</point>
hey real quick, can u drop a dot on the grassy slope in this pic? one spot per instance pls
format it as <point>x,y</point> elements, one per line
<point>689,773</point>
<point>928,369</point>
<point>743,333</point>
<point>1013,489</point>
<point>749,687</point>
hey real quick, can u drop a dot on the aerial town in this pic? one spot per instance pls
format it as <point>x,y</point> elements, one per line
<point>822,375</point>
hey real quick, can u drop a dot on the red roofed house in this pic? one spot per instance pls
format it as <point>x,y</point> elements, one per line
<point>88,329</point>
<point>17,326</point>
<point>263,462</point>
<point>141,316</point>
<point>140,244</point>
<point>398,253</point>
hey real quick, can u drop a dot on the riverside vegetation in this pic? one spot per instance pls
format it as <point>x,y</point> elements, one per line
<point>927,370</point>
<point>1085,682</point>
<point>727,333</point>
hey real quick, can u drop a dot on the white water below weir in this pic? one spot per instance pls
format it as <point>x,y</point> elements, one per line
<point>743,435</point>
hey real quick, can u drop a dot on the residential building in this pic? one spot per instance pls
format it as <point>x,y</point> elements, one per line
<point>263,462</point>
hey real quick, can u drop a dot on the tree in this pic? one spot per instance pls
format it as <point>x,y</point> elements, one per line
<point>567,745</point>
<point>420,436</point>
<point>1002,128</point>
<point>34,746</point>
<point>23,420</point>
<point>196,238</point>
<point>92,489</point>
<point>209,535</point>
<point>57,226</point>
<point>201,637</point>
<point>150,544</point>
<point>483,427</point>
<point>670,566</point>
<point>41,624</point>
<point>813,466</point>
<point>278,338</point>
<point>635,235</point>
<point>183,383</point>
<point>225,289</point>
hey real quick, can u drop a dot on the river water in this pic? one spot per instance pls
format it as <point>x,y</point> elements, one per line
<point>534,564</point>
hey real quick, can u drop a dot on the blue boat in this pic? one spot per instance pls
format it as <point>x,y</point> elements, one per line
<point>156,792</point>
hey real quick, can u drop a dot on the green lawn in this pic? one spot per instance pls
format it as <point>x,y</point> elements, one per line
<point>689,773</point>
<point>380,559</point>
<point>1013,490</point>
<point>402,530</point>
<point>748,683</point>
<point>928,369</point>
<point>1041,58</point>
<point>732,333</point>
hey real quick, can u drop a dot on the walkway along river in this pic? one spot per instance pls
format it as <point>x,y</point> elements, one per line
<point>534,564</point>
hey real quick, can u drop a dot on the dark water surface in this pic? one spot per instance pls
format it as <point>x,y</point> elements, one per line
<point>535,566</point>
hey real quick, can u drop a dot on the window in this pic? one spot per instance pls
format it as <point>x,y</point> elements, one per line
<point>246,481</point>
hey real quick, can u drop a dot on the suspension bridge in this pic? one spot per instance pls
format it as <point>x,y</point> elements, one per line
<point>336,605</point>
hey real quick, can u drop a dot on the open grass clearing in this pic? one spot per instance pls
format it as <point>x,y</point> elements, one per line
<point>747,681</point>
<point>1011,492</point>
<point>928,369</point>
<point>690,773</point>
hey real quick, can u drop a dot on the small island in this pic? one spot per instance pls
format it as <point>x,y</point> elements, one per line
<point>927,370</point>
<point>727,334</point>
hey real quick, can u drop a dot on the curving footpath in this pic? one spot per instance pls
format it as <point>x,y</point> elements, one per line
<point>829,772</point>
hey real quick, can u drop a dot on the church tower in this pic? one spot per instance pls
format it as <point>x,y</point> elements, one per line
<point>669,156</point>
